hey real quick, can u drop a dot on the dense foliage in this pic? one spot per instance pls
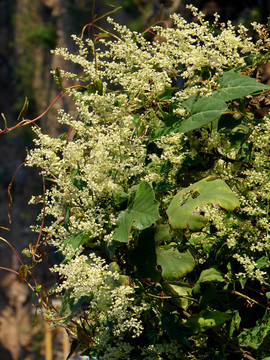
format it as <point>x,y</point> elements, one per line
<point>159,195</point>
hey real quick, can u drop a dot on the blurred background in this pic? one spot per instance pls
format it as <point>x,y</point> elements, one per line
<point>28,31</point>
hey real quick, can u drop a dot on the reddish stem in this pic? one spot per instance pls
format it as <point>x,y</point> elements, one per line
<point>31,273</point>
<point>43,217</point>
<point>27,122</point>
<point>9,187</point>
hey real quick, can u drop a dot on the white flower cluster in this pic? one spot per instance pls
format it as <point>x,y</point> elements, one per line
<point>250,268</point>
<point>84,275</point>
<point>121,350</point>
<point>108,151</point>
<point>171,350</point>
<point>120,106</point>
<point>251,186</point>
<point>173,154</point>
<point>111,303</point>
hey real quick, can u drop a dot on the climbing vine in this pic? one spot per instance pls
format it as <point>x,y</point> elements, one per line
<point>158,197</point>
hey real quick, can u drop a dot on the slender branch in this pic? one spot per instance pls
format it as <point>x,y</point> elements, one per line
<point>43,217</point>
<point>226,159</point>
<point>22,263</point>
<point>4,228</point>
<point>9,188</point>
<point>248,119</point>
<point>16,273</point>
<point>172,297</point>
<point>15,252</point>
<point>244,354</point>
<point>10,270</point>
<point>245,297</point>
<point>27,122</point>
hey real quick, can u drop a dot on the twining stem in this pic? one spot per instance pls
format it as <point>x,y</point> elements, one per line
<point>16,273</point>
<point>27,122</point>
<point>231,346</point>
<point>22,263</point>
<point>248,119</point>
<point>245,297</point>
<point>43,218</point>
<point>172,297</point>
<point>9,192</point>
<point>29,285</point>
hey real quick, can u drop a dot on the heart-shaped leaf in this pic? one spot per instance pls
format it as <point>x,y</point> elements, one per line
<point>174,264</point>
<point>235,86</point>
<point>144,257</point>
<point>211,274</point>
<point>206,320</point>
<point>181,293</point>
<point>204,110</point>
<point>142,211</point>
<point>184,211</point>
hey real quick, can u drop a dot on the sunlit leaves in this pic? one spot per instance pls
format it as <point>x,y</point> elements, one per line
<point>174,264</point>
<point>207,320</point>
<point>186,209</point>
<point>257,337</point>
<point>211,274</point>
<point>203,111</point>
<point>57,77</point>
<point>23,110</point>
<point>144,187</point>
<point>154,261</point>
<point>234,85</point>
<point>76,240</point>
<point>181,293</point>
<point>142,211</point>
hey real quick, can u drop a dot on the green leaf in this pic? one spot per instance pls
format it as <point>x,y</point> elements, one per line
<point>235,323</point>
<point>119,198</point>
<point>95,87</point>
<point>204,110</point>
<point>180,292</point>
<point>24,109</point>
<point>121,280</point>
<point>174,264</point>
<point>262,262</point>
<point>162,233</point>
<point>175,329</point>
<point>27,252</point>
<point>211,274</point>
<point>76,240</point>
<point>142,211</point>
<point>235,86</point>
<point>144,257</point>
<point>185,207</point>
<point>70,306</point>
<point>190,102</point>
<point>76,180</point>
<point>258,335</point>
<point>167,93</point>
<point>207,320</point>
<point>23,272</point>
<point>57,77</point>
